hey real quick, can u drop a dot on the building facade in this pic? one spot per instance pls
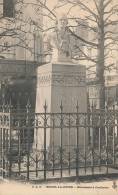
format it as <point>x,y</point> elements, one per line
<point>23,39</point>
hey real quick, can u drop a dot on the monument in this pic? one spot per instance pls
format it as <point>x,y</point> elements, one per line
<point>61,82</point>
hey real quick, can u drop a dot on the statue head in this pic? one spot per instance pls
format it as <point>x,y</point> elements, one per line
<point>63,21</point>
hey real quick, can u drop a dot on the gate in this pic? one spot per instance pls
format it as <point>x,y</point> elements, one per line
<point>73,144</point>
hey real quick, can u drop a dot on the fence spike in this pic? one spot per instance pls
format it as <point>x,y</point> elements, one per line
<point>92,106</point>
<point>3,105</point>
<point>10,105</point>
<point>106,106</point>
<point>18,105</point>
<point>10,102</point>
<point>77,107</point>
<point>45,106</point>
<point>113,106</point>
<point>28,106</point>
<point>61,106</point>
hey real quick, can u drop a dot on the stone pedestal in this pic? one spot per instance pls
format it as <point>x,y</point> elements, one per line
<point>56,83</point>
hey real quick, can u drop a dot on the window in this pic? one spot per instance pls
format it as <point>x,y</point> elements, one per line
<point>8,8</point>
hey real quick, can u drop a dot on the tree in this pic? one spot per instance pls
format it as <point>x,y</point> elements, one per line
<point>98,17</point>
<point>20,29</point>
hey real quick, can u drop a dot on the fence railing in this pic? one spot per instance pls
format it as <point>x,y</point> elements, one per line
<point>55,145</point>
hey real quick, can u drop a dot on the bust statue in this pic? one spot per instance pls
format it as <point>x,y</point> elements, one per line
<point>63,40</point>
<point>60,41</point>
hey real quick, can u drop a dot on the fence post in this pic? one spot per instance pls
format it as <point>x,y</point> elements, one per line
<point>85,142</point>
<point>53,144</point>
<point>36,127</point>
<point>114,135</point>
<point>0,142</point>
<point>88,120</point>
<point>107,130</point>
<point>3,140</point>
<point>10,139</point>
<point>69,156</point>
<point>45,137</point>
<point>3,160</point>
<point>92,141</point>
<point>36,164</point>
<point>28,141</point>
<point>77,140</point>
<point>100,118</point>
<point>61,141</point>
<point>19,139</point>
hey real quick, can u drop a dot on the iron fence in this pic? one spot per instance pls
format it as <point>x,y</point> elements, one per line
<point>39,146</point>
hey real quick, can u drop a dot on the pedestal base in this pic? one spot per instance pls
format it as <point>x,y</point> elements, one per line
<point>61,84</point>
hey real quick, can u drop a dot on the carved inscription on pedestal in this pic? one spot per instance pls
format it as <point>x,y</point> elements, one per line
<point>73,79</point>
